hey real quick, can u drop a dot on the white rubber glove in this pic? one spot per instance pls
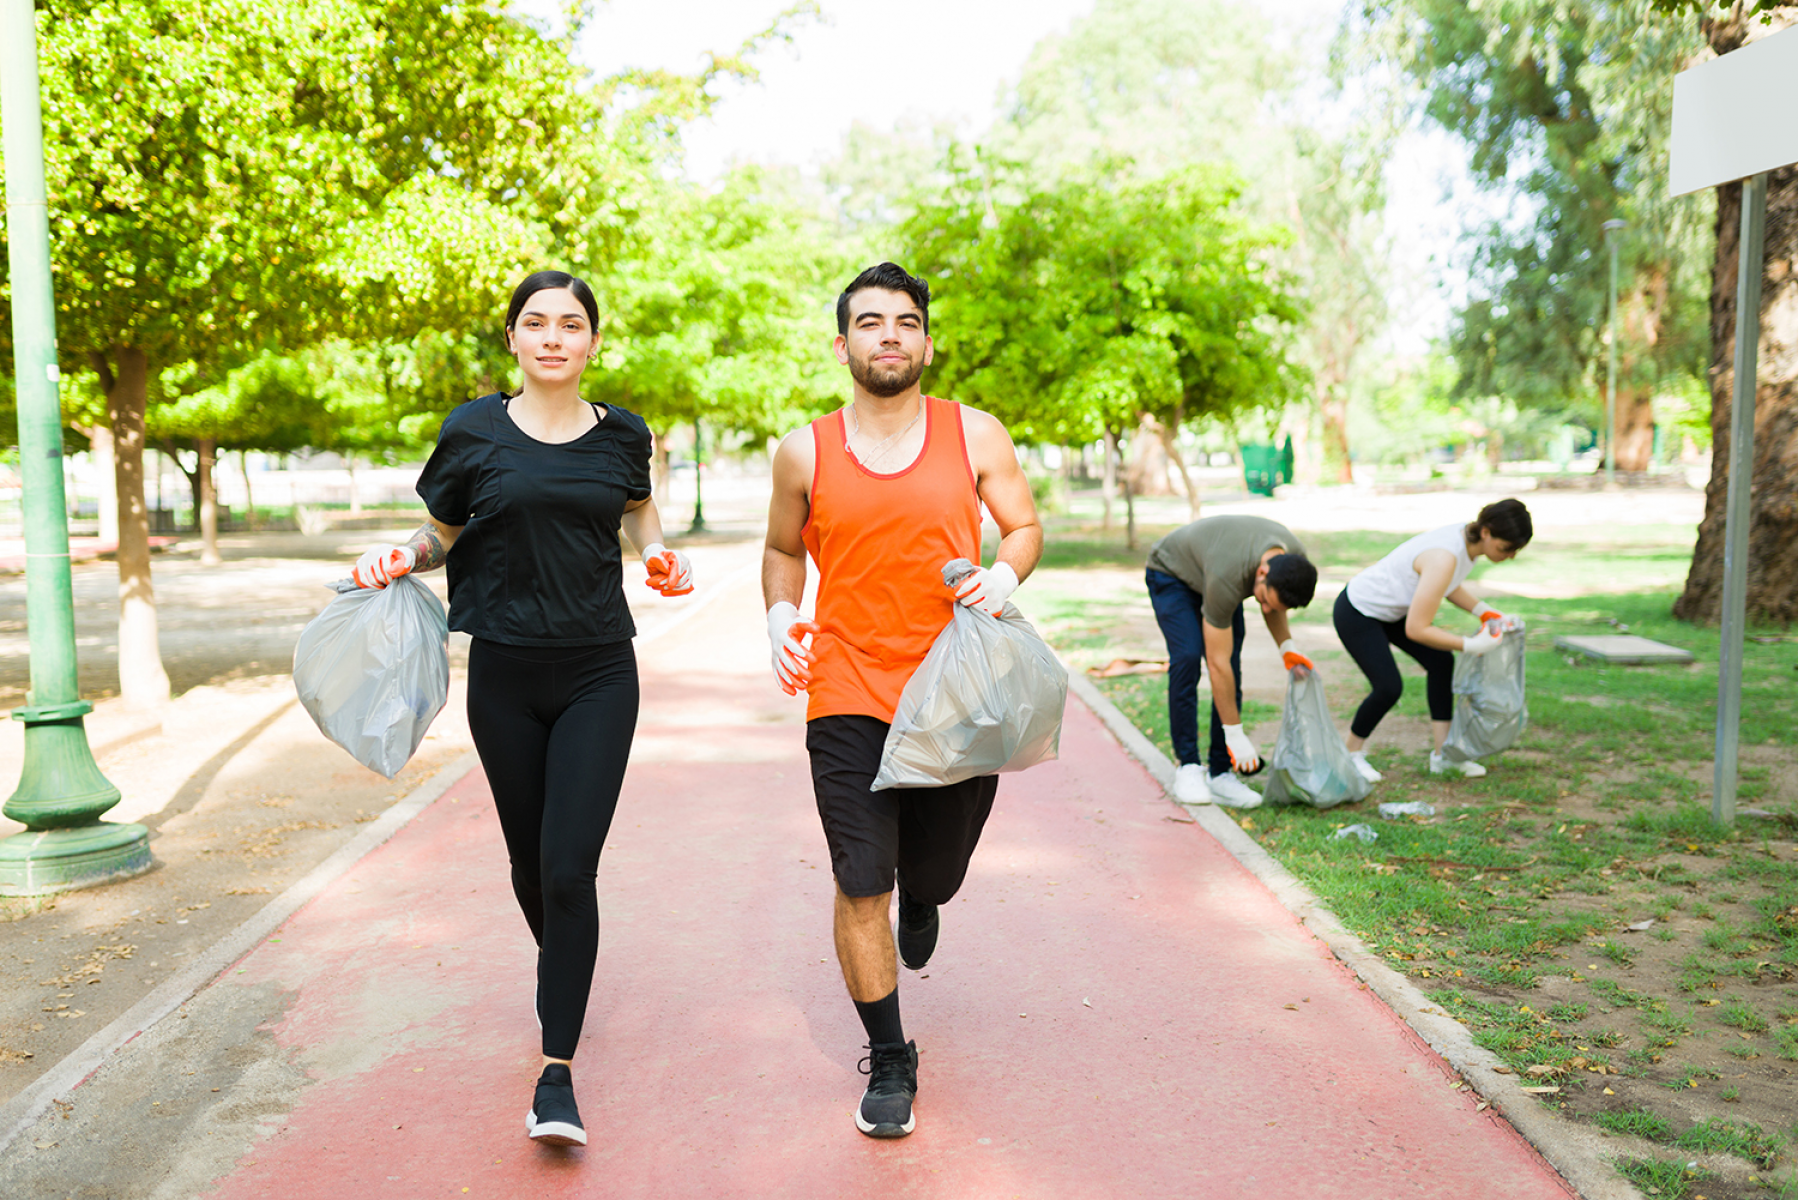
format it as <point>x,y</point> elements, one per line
<point>381,565</point>
<point>669,571</point>
<point>791,636</point>
<point>988,588</point>
<point>1243,755</point>
<point>1483,642</point>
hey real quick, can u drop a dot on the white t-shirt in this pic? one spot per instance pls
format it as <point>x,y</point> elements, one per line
<point>1384,591</point>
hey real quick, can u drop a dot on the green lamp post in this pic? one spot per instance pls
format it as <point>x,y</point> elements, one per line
<point>61,791</point>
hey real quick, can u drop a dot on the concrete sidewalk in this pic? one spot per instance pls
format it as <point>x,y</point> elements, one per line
<point>1117,1008</point>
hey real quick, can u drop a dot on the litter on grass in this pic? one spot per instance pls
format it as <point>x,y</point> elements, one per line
<point>1365,832</point>
<point>1392,810</point>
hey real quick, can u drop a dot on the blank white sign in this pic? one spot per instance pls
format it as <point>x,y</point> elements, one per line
<point>1737,115</point>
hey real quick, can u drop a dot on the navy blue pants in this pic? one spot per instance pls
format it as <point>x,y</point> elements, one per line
<point>1177,611</point>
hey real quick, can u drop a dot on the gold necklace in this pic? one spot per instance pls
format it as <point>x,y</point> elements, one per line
<point>867,460</point>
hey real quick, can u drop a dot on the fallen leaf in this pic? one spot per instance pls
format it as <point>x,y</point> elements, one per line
<point>1088,1003</point>
<point>1640,926</point>
<point>1502,1071</point>
<point>1609,1092</point>
<point>1542,1069</point>
<point>1293,1007</point>
<point>1482,1106</point>
<point>46,1145</point>
<point>1540,1091</point>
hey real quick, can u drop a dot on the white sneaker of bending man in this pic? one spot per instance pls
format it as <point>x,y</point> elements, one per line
<point>1232,792</point>
<point>1439,765</point>
<point>1189,784</point>
<point>1365,768</point>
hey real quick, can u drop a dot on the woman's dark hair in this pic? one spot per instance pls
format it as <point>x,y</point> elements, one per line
<point>544,281</point>
<point>1293,577</point>
<point>1506,520</point>
<point>888,277</point>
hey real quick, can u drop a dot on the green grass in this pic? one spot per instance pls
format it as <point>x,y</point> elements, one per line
<point>1637,1122</point>
<point>1663,1180</point>
<point>1727,1137</point>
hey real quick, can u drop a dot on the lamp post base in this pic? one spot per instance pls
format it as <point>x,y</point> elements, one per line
<point>38,862</point>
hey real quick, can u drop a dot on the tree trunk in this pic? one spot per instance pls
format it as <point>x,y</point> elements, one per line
<point>349,463</point>
<point>1172,449</point>
<point>142,681</point>
<point>1129,515</point>
<point>1147,473</point>
<point>100,439</point>
<point>1635,428</point>
<point>209,502</point>
<point>1332,406</point>
<point>1773,504</point>
<point>1109,488</point>
<point>249,498</point>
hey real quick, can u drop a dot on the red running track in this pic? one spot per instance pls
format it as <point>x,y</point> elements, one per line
<point>1116,1009</point>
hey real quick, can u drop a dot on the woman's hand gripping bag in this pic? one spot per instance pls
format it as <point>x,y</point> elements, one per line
<point>373,670</point>
<point>988,697</point>
<point>1310,763</point>
<point>1490,711</point>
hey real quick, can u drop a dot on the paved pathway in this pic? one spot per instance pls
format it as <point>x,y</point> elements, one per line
<point>1116,1009</point>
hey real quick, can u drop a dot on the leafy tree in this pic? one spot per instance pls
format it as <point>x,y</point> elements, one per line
<point>1565,105</point>
<point>1073,308</point>
<point>228,176</point>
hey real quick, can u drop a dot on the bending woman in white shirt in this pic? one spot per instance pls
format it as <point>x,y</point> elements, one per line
<point>1394,603</point>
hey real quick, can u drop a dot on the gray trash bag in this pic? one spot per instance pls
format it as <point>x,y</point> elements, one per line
<point>1490,711</point>
<point>373,670</point>
<point>988,697</point>
<point>1310,765</point>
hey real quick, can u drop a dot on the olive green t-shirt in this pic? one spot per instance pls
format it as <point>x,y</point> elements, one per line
<point>1218,557</point>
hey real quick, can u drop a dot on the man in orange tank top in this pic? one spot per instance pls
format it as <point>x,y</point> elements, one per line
<point>881,493</point>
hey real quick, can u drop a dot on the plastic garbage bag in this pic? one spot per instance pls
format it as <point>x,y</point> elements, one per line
<point>1310,764</point>
<point>373,670</point>
<point>988,697</point>
<point>1490,710</point>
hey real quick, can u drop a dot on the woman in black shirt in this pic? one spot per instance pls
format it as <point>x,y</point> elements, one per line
<point>526,497</point>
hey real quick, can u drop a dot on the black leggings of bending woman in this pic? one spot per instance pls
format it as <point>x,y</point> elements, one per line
<point>527,496</point>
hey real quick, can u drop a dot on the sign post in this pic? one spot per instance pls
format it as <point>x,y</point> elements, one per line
<point>1714,143</point>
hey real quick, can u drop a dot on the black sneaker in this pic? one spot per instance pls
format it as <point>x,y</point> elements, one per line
<point>918,926</point>
<point>553,1119</point>
<point>892,1071</point>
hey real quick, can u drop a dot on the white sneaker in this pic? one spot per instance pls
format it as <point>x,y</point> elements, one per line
<point>1441,766</point>
<point>1359,758</point>
<point>1232,792</point>
<point>1189,784</point>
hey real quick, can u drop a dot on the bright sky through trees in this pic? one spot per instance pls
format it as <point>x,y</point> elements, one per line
<point>952,60</point>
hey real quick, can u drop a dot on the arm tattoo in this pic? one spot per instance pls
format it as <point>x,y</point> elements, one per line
<point>427,548</point>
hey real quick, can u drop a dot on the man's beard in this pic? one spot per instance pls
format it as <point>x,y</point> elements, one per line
<point>885,382</point>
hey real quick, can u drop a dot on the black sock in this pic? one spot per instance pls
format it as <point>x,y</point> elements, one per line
<point>881,1019</point>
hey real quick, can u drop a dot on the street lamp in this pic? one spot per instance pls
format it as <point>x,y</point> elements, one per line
<point>61,791</point>
<point>1614,225</point>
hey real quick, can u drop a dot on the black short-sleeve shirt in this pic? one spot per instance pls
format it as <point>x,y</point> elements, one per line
<point>539,563</point>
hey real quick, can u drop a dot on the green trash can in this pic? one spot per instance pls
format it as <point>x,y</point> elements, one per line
<point>1266,467</point>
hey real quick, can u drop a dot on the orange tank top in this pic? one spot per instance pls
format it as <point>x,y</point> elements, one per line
<point>880,542</point>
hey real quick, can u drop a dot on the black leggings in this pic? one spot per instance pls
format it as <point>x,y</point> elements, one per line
<point>553,727</point>
<point>1369,643</point>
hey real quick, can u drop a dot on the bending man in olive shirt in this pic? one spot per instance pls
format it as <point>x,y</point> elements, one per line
<point>1198,577</point>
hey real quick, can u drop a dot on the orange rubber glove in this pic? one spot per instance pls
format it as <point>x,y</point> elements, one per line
<point>1289,654</point>
<point>1485,612</point>
<point>381,565</point>
<point>669,571</point>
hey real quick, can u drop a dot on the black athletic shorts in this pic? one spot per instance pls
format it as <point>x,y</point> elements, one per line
<point>925,835</point>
